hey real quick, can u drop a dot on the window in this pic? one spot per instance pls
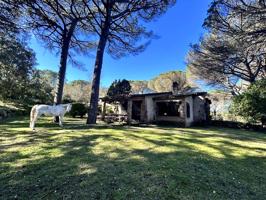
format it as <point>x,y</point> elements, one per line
<point>168,109</point>
<point>188,109</point>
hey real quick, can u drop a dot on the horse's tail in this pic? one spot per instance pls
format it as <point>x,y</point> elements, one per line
<point>32,114</point>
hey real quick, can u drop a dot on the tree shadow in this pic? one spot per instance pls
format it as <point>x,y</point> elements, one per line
<point>100,164</point>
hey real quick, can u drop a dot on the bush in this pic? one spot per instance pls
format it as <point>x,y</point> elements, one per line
<point>78,109</point>
<point>251,104</point>
<point>109,111</point>
<point>237,125</point>
<point>67,99</point>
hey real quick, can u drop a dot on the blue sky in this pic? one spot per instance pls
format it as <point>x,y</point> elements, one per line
<point>179,27</point>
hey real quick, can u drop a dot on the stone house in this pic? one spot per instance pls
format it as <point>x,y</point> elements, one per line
<point>183,108</point>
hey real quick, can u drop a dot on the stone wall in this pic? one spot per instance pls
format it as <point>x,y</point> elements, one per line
<point>150,109</point>
<point>189,120</point>
<point>129,111</point>
<point>199,109</point>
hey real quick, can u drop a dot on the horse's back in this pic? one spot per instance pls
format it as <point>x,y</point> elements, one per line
<point>43,109</point>
<point>48,110</point>
<point>43,106</point>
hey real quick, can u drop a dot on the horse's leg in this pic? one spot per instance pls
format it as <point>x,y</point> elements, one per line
<point>61,120</point>
<point>32,114</point>
<point>32,124</point>
<point>34,121</point>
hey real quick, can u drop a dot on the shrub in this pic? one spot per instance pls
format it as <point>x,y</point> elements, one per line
<point>109,111</point>
<point>67,99</point>
<point>78,109</point>
<point>251,104</point>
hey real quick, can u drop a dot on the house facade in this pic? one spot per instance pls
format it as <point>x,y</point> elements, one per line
<point>186,108</point>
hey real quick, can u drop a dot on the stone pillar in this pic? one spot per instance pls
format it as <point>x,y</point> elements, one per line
<point>150,109</point>
<point>129,111</point>
<point>189,120</point>
<point>143,113</point>
<point>181,109</point>
<point>119,112</point>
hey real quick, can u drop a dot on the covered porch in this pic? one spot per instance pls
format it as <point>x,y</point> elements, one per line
<point>160,107</point>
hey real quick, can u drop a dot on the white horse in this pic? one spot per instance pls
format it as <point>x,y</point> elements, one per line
<point>55,110</point>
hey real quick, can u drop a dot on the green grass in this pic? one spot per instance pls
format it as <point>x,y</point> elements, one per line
<point>81,162</point>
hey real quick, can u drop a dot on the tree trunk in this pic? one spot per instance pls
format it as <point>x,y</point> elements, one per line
<point>93,107</point>
<point>61,73</point>
<point>63,64</point>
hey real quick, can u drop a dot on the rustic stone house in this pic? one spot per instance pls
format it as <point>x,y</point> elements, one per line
<point>184,108</point>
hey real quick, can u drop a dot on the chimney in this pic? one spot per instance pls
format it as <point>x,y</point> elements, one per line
<point>175,88</point>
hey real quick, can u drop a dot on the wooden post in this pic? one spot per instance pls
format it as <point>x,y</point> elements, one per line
<point>103,110</point>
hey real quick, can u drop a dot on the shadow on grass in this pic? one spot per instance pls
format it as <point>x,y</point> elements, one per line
<point>99,164</point>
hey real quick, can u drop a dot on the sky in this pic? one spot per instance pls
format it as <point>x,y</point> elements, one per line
<point>179,27</point>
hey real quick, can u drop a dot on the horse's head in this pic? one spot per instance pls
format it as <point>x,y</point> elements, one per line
<point>69,106</point>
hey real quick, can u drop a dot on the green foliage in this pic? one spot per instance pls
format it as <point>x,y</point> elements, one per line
<point>49,76</point>
<point>19,80</point>
<point>78,109</point>
<point>16,68</point>
<point>251,105</point>
<point>119,88</point>
<point>39,90</point>
<point>67,99</point>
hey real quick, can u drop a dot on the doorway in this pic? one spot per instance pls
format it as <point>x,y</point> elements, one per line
<point>136,110</point>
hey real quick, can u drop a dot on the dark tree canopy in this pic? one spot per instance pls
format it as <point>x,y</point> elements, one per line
<point>120,22</point>
<point>241,17</point>
<point>233,52</point>
<point>224,62</point>
<point>57,22</point>
<point>118,88</point>
<point>9,17</point>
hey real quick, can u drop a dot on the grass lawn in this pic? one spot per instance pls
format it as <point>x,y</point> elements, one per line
<point>80,162</point>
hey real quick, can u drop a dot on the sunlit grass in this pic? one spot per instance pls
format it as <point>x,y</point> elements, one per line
<point>123,162</point>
